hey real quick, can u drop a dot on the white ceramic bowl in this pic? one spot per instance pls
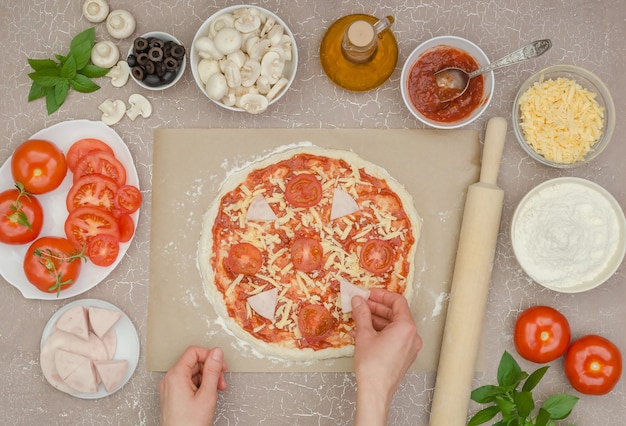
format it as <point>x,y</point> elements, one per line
<point>569,234</point>
<point>181,70</point>
<point>456,42</point>
<point>587,80</point>
<point>289,71</point>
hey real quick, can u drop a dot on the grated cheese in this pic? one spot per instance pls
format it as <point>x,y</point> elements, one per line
<point>560,119</point>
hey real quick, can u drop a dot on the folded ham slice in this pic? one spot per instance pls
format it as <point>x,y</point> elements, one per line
<point>264,303</point>
<point>75,321</point>
<point>102,320</point>
<point>343,204</point>
<point>112,372</point>
<point>348,291</point>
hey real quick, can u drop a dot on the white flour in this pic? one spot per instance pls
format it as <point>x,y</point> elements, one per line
<point>565,235</point>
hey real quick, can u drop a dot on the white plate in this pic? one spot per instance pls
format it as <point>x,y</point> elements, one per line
<point>63,135</point>
<point>127,341</point>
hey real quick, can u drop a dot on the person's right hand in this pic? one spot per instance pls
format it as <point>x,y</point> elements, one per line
<point>386,344</point>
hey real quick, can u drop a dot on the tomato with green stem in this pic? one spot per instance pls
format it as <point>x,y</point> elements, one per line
<point>593,365</point>
<point>21,216</point>
<point>541,334</point>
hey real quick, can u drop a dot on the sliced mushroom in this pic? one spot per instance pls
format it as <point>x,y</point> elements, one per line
<point>254,103</point>
<point>206,49</point>
<point>95,10</point>
<point>105,54</point>
<point>238,58</point>
<point>119,74</point>
<point>269,23</point>
<point>112,111</point>
<point>275,34</point>
<point>227,40</point>
<point>120,24</point>
<point>272,66</point>
<point>263,85</point>
<point>250,72</point>
<point>285,47</point>
<point>277,88</point>
<point>139,105</point>
<point>206,68</point>
<point>247,22</point>
<point>216,86</point>
<point>230,99</point>
<point>225,20</point>
<point>232,73</point>
<point>257,50</point>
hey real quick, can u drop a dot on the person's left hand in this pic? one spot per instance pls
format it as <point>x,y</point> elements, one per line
<point>189,389</point>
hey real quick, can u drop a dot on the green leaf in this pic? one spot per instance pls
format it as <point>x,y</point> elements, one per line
<point>51,100</point>
<point>46,77</point>
<point>81,45</point>
<point>524,403</point>
<point>543,418</point>
<point>93,71</point>
<point>486,394</point>
<point>483,416</point>
<point>69,68</point>
<point>36,91</point>
<point>534,379</point>
<point>560,406</point>
<point>505,405</point>
<point>61,90</point>
<point>42,64</point>
<point>509,371</point>
<point>83,84</point>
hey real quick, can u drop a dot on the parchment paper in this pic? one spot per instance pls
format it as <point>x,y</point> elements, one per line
<point>435,166</point>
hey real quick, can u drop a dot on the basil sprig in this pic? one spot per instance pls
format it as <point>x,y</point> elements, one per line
<point>516,406</point>
<point>54,79</point>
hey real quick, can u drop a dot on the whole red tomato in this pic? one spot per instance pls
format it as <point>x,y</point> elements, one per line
<point>39,165</point>
<point>52,264</point>
<point>541,334</point>
<point>21,216</point>
<point>593,365</point>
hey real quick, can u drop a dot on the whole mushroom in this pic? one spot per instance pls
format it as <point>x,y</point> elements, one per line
<point>105,54</point>
<point>120,24</point>
<point>95,10</point>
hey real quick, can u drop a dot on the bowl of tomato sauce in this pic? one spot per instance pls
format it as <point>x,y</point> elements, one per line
<point>419,87</point>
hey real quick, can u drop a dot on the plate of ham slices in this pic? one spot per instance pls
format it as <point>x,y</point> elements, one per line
<point>89,349</point>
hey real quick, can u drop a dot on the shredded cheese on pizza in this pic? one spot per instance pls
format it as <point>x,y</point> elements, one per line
<point>560,119</point>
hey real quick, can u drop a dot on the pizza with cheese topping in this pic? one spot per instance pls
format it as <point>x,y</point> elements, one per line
<point>290,239</point>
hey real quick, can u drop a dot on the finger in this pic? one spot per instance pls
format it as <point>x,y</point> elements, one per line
<point>190,359</point>
<point>361,315</point>
<point>213,372</point>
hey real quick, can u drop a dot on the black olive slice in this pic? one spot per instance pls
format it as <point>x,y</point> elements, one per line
<point>155,42</point>
<point>149,67</point>
<point>159,68</point>
<point>178,51</point>
<point>142,58</point>
<point>155,54</point>
<point>171,64</point>
<point>140,45</point>
<point>137,72</point>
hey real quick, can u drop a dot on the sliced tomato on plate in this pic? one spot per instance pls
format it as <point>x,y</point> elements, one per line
<point>303,190</point>
<point>92,190</point>
<point>102,163</point>
<point>315,322</point>
<point>84,223</point>
<point>377,256</point>
<point>82,147</point>
<point>307,254</point>
<point>127,227</point>
<point>244,258</point>
<point>103,250</point>
<point>128,199</point>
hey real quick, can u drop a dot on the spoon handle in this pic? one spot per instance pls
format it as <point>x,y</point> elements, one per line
<point>533,50</point>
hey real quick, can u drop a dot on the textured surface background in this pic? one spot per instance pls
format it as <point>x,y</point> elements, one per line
<point>588,33</point>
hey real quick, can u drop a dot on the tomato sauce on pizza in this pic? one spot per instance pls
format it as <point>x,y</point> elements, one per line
<point>290,230</point>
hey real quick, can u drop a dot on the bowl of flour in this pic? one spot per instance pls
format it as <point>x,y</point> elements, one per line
<point>569,234</point>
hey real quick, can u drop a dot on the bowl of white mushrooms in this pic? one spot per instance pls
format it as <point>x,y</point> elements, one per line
<point>244,58</point>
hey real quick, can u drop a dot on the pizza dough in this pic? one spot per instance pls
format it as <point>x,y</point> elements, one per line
<point>359,202</point>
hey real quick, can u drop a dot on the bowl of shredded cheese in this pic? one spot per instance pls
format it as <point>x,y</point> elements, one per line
<point>563,116</point>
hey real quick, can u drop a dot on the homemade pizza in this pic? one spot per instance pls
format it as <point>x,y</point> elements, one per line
<point>290,239</point>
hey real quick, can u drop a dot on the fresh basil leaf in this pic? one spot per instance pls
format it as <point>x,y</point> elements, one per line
<point>483,416</point>
<point>42,64</point>
<point>534,379</point>
<point>81,46</point>
<point>505,405</point>
<point>524,403</point>
<point>486,394</point>
<point>543,418</point>
<point>93,71</point>
<point>61,90</point>
<point>560,406</point>
<point>83,84</point>
<point>69,68</point>
<point>51,100</point>
<point>36,91</point>
<point>46,77</point>
<point>509,371</point>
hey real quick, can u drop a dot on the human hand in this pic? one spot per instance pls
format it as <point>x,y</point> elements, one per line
<point>189,389</point>
<point>386,344</point>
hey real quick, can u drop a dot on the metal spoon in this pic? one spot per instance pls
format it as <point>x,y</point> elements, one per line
<point>453,82</point>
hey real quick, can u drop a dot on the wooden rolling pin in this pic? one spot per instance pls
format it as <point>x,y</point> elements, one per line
<point>470,285</point>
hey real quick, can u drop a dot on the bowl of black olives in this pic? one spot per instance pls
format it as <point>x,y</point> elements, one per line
<point>156,60</point>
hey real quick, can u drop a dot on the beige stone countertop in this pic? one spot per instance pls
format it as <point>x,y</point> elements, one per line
<point>587,33</point>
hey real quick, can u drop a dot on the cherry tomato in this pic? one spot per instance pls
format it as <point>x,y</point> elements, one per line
<point>307,254</point>
<point>103,163</point>
<point>84,223</point>
<point>315,322</point>
<point>103,250</point>
<point>52,264</point>
<point>127,227</point>
<point>244,258</point>
<point>92,190</point>
<point>593,365</point>
<point>541,334</point>
<point>39,165</point>
<point>82,147</point>
<point>21,216</point>
<point>377,256</point>
<point>303,190</point>
<point>128,199</point>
